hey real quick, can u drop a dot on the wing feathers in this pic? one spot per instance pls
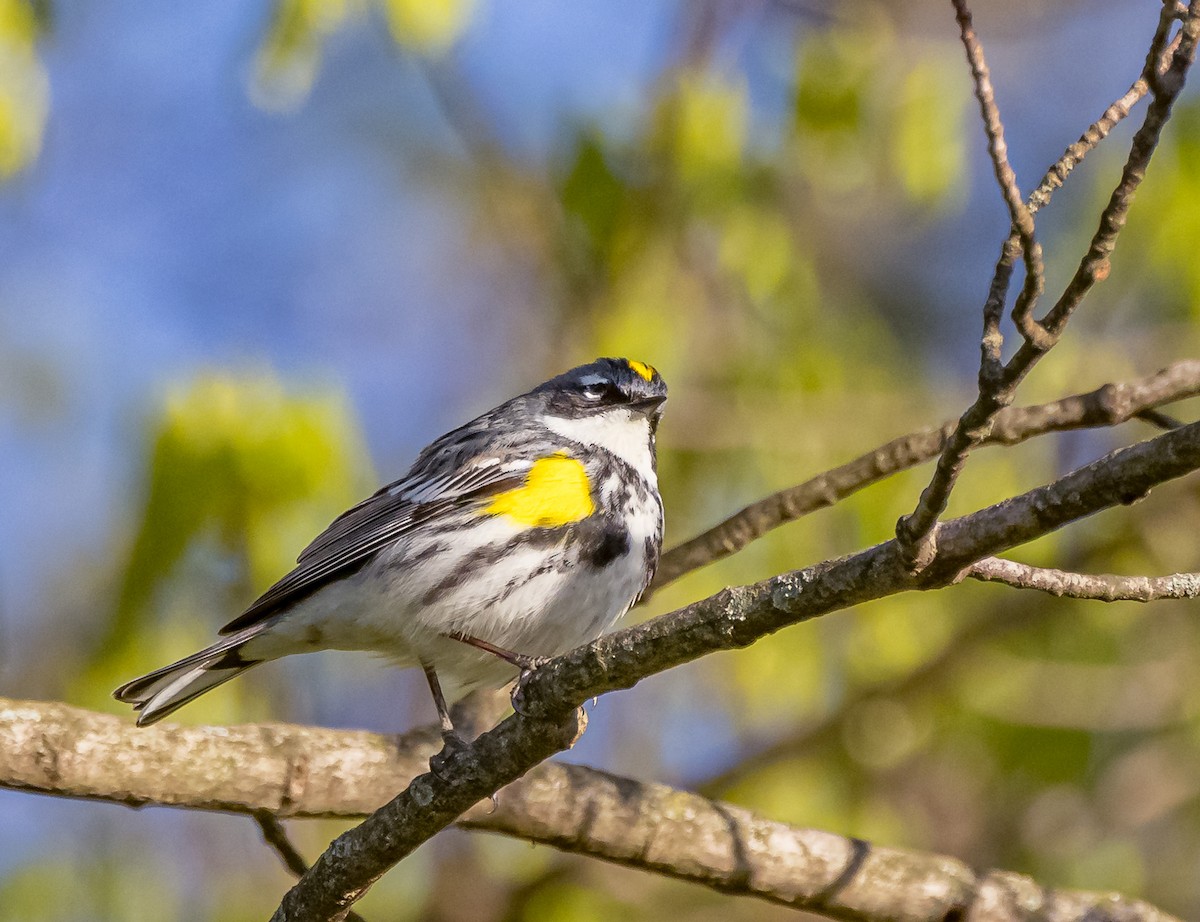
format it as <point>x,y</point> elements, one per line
<point>357,534</point>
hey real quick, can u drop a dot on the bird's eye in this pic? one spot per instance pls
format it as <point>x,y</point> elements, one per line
<point>593,392</point>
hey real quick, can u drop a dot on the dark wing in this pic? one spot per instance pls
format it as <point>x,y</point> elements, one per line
<point>391,511</point>
<point>431,489</point>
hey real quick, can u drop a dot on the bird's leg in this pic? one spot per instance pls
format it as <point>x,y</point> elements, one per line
<point>450,737</point>
<point>527,664</point>
<point>519,660</point>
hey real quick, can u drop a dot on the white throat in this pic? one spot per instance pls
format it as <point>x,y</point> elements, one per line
<point>623,432</point>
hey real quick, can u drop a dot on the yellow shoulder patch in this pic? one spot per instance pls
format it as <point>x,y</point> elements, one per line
<point>641,368</point>
<point>556,492</point>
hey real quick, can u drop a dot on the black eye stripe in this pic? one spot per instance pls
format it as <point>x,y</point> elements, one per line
<point>600,394</point>
<point>603,386</point>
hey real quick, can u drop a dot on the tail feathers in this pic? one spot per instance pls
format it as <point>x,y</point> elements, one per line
<point>164,691</point>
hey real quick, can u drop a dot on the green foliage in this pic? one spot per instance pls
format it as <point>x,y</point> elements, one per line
<point>866,120</point>
<point>571,902</point>
<point>702,129</point>
<point>1165,225</point>
<point>88,887</point>
<point>593,195</point>
<point>757,246</point>
<point>239,465</point>
<point>929,136</point>
<point>834,73</point>
<point>427,26</point>
<point>289,57</point>
<point>24,89</point>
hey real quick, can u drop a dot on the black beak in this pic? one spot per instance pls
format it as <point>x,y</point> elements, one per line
<point>648,405</point>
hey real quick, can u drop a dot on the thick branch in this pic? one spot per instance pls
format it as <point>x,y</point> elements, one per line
<point>733,618</point>
<point>306,771</point>
<point>1101,587</point>
<point>1107,406</point>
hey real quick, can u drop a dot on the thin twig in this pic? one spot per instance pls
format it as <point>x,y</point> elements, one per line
<point>1159,419</point>
<point>1094,266</point>
<point>917,531</point>
<point>1096,132</point>
<point>276,836</point>
<point>1019,213</point>
<point>1109,405</point>
<point>1100,587</point>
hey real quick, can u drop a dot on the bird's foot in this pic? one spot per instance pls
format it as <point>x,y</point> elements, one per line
<point>452,745</point>
<point>528,666</point>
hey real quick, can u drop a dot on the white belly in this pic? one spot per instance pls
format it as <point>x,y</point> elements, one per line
<point>538,600</point>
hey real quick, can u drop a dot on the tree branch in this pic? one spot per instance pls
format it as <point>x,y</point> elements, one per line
<point>1101,587</point>
<point>548,698</point>
<point>1109,405</point>
<point>1019,213</point>
<point>917,531</point>
<point>1096,132</point>
<point>276,836</point>
<point>306,771</point>
<point>1166,87</point>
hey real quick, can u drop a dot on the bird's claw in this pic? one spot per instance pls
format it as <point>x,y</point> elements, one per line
<point>452,745</point>
<point>529,666</point>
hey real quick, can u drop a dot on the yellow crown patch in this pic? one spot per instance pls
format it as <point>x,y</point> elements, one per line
<point>641,368</point>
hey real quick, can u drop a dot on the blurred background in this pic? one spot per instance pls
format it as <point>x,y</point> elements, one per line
<point>253,256</point>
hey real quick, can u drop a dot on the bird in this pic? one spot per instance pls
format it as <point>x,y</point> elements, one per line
<point>524,533</point>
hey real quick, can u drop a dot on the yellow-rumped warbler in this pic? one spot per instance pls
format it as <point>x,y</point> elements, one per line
<point>523,534</point>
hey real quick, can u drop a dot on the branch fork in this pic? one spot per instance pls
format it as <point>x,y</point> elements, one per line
<point>998,382</point>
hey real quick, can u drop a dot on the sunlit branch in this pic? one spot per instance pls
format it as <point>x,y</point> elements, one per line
<point>1101,587</point>
<point>276,769</point>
